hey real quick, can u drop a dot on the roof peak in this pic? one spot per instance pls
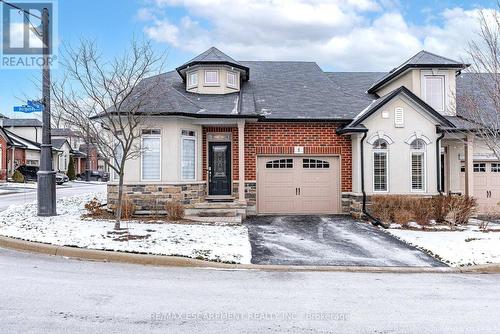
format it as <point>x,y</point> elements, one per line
<point>212,56</point>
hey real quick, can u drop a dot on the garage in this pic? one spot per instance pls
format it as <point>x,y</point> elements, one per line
<point>486,185</point>
<point>298,185</point>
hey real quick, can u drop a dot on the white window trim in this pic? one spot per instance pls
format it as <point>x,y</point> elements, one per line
<point>190,84</point>
<point>195,138</point>
<point>424,171</point>
<point>387,169</point>
<point>142,146</point>
<point>235,79</point>
<point>211,83</point>
<point>423,88</point>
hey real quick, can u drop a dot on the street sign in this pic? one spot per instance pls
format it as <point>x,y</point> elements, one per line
<point>31,107</point>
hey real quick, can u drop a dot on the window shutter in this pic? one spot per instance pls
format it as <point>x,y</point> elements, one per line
<point>399,117</point>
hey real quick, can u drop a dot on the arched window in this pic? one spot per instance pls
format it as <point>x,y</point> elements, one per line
<point>380,165</point>
<point>417,148</point>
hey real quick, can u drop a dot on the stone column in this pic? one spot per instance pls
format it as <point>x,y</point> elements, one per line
<point>469,165</point>
<point>241,160</point>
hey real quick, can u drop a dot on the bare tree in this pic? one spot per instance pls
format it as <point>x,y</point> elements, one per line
<point>109,101</point>
<point>480,101</point>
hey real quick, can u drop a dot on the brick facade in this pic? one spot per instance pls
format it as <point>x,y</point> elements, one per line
<point>19,158</point>
<point>3,159</point>
<point>280,138</point>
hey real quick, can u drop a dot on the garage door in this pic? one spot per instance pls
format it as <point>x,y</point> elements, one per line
<point>298,185</point>
<point>486,185</point>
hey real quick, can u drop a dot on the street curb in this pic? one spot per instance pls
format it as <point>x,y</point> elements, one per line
<point>177,261</point>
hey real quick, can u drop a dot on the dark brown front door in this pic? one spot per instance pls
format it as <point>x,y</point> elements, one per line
<point>219,158</point>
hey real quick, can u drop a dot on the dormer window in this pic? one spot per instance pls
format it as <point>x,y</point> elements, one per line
<point>231,79</point>
<point>211,77</point>
<point>434,91</point>
<point>192,79</point>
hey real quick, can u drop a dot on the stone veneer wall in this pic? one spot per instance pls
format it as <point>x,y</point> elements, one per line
<point>152,197</point>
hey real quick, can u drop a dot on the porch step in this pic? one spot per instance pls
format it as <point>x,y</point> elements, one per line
<point>219,205</point>
<point>216,220</point>
<point>216,212</point>
<point>221,198</point>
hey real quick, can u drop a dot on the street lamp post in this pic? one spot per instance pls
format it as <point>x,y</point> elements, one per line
<point>46,189</point>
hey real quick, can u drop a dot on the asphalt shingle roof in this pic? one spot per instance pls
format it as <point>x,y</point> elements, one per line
<point>20,122</point>
<point>58,142</point>
<point>421,59</point>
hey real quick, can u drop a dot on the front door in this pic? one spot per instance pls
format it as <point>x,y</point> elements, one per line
<point>219,159</point>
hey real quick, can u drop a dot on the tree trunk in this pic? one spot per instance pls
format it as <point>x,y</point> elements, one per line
<point>119,205</point>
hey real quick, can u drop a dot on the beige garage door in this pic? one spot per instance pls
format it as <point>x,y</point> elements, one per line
<point>298,185</point>
<point>486,185</point>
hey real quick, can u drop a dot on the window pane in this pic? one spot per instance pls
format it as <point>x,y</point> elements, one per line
<point>380,171</point>
<point>211,77</point>
<point>495,167</point>
<point>434,91</point>
<point>480,167</point>
<point>231,79</point>
<point>417,171</point>
<point>151,158</point>
<point>188,159</point>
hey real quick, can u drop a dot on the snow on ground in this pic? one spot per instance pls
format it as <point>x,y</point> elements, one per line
<point>458,248</point>
<point>211,242</point>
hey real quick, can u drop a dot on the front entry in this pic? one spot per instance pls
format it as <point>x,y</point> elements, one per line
<point>219,168</point>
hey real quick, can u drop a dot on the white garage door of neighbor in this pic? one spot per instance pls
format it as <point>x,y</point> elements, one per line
<point>298,185</point>
<point>486,185</point>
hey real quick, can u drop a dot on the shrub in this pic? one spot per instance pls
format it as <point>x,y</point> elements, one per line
<point>175,210</point>
<point>462,209</point>
<point>17,177</point>
<point>94,208</point>
<point>382,207</point>
<point>422,209</point>
<point>71,169</point>
<point>402,217</point>
<point>128,208</point>
<point>442,208</point>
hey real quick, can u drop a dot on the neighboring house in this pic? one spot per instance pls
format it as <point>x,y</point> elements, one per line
<point>75,141</point>
<point>28,128</point>
<point>22,151</point>
<point>285,137</point>
<point>65,153</point>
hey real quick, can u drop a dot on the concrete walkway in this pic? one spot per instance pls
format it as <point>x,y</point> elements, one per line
<point>328,241</point>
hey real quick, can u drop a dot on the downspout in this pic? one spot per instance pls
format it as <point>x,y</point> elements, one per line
<point>374,220</point>
<point>438,163</point>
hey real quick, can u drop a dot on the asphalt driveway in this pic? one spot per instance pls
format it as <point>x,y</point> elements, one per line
<point>328,240</point>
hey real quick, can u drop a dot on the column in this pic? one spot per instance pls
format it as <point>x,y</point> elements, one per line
<point>241,160</point>
<point>469,165</point>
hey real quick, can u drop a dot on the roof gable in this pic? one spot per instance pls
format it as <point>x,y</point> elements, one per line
<point>379,103</point>
<point>421,59</point>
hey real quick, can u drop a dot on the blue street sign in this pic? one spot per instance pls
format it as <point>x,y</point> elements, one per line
<point>32,106</point>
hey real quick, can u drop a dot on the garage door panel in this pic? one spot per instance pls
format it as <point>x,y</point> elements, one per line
<point>311,185</point>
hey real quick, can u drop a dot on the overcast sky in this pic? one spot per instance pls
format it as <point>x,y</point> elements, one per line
<point>340,35</point>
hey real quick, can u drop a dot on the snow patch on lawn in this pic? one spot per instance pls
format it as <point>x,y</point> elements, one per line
<point>210,242</point>
<point>465,247</point>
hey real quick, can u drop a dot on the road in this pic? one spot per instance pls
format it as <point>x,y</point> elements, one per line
<point>29,195</point>
<point>47,294</point>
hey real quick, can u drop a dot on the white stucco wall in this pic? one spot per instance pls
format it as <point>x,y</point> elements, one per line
<point>171,128</point>
<point>416,122</point>
<point>413,79</point>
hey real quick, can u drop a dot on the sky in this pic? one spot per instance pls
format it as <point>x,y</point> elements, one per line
<point>340,35</point>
